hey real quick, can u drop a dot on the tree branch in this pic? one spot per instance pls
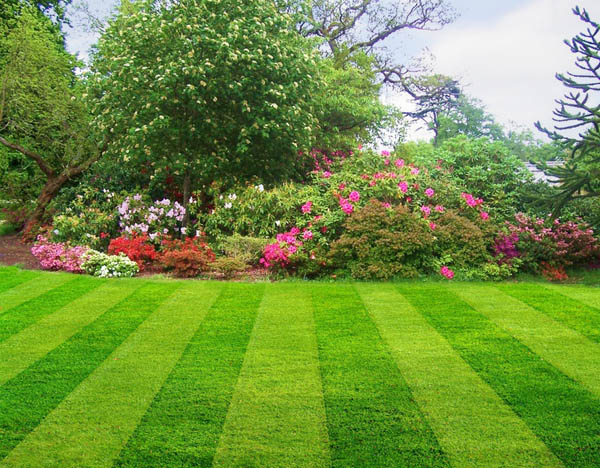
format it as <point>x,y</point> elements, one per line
<point>30,154</point>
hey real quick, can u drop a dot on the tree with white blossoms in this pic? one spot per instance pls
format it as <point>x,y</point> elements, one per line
<point>205,89</point>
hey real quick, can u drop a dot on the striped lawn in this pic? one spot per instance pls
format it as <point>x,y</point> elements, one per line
<point>161,373</point>
<point>562,307</point>
<point>277,416</point>
<point>183,425</point>
<point>28,398</point>
<point>562,413</point>
<point>474,425</point>
<point>372,417</point>
<point>564,348</point>
<point>122,388</point>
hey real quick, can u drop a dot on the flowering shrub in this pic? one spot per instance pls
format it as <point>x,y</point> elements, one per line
<point>186,258</point>
<point>136,248</point>
<point>381,242</point>
<point>109,266</point>
<point>535,240</point>
<point>58,256</point>
<point>89,219</point>
<point>158,219</point>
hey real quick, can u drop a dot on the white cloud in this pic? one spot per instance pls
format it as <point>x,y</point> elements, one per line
<point>509,62</point>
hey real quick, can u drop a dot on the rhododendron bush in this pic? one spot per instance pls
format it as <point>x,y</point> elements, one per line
<point>58,256</point>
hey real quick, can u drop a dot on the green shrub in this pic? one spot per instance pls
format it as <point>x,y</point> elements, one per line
<point>229,266</point>
<point>248,249</point>
<point>109,266</point>
<point>382,243</point>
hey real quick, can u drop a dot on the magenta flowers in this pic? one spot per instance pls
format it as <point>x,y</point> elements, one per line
<point>354,196</point>
<point>430,192</point>
<point>306,207</point>
<point>446,272</point>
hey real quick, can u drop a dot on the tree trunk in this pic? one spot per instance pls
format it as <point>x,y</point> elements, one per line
<point>50,190</point>
<point>187,191</point>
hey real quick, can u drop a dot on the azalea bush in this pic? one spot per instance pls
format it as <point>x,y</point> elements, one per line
<point>58,256</point>
<point>186,258</point>
<point>109,266</point>
<point>546,245</point>
<point>136,247</point>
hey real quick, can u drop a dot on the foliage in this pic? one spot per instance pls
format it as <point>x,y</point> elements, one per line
<point>85,217</point>
<point>43,115</point>
<point>464,242</point>
<point>180,90</point>
<point>382,243</point>
<point>478,166</point>
<point>467,117</point>
<point>58,256</point>
<point>136,248</point>
<point>349,108</point>
<point>540,243</point>
<point>248,249</point>
<point>229,266</point>
<point>186,258</point>
<point>580,175</point>
<point>109,266</point>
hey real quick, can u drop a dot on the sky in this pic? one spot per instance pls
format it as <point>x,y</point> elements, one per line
<point>504,52</point>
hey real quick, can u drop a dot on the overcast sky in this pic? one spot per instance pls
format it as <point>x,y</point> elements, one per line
<point>505,51</point>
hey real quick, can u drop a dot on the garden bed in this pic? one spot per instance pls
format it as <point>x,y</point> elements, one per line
<point>138,372</point>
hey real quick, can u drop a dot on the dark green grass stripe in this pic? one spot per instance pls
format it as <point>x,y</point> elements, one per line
<point>26,399</point>
<point>574,314</point>
<point>16,319</point>
<point>563,414</point>
<point>372,417</point>
<point>11,277</point>
<point>183,425</point>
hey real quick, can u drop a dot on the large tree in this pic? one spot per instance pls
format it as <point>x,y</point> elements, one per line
<point>43,117</point>
<point>577,118</point>
<point>206,89</point>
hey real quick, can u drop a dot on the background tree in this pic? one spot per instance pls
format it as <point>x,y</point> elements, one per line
<point>207,90</point>
<point>43,117</point>
<point>468,117</point>
<point>578,120</point>
<point>433,96</point>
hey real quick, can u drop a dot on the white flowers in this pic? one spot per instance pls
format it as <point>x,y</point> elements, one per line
<point>260,188</point>
<point>278,223</point>
<point>228,205</point>
<point>232,196</point>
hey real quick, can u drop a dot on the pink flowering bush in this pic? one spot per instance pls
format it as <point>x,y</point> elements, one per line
<point>58,256</point>
<point>540,243</point>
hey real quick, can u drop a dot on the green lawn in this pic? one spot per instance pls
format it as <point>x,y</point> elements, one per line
<point>160,373</point>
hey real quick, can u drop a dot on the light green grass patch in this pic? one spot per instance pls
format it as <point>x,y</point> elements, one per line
<point>561,346</point>
<point>474,426</point>
<point>277,415</point>
<point>75,434</point>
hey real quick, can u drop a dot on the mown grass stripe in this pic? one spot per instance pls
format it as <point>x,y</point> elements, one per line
<point>473,424</point>
<point>183,424</point>
<point>572,313</point>
<point>31,289</point>
<point>372,417</point>
<point>11,277</point>
<point>562,413</point>
<point>121,389</point>
<point>21,350</point>
<point>27,398</point>
<point>587,295</point>
<point>561,346</point>
<point>277,416</point>
<point>24,315</point>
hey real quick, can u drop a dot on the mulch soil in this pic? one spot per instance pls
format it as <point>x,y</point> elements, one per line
<point>13,251</point>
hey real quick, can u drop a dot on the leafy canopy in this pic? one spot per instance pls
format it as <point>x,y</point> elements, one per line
<point>212,89</point>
